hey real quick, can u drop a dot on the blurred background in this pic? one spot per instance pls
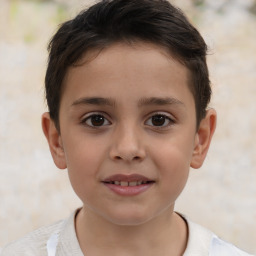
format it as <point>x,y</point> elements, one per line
<point>221,195</point>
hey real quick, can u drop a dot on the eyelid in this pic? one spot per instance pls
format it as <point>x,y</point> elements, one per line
<point>91,114</point>
<point>161,113</point>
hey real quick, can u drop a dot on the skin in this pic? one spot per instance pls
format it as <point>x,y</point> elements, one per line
<point>129,79</point>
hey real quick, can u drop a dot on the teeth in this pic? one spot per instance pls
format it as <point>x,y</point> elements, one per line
<point>133,183</point>
<point>126,183</point>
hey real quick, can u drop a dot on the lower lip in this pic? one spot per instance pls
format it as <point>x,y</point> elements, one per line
<point>128,190</point>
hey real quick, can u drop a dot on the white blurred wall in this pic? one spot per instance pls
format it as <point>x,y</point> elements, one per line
<point>33,192</point>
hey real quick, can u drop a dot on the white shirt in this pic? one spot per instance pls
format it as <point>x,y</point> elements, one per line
<point>60,239</point>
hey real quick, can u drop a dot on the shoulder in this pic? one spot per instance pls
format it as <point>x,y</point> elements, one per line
<point>33,244</point>
<point>203,242</point>
<point>220,247</point>
<point>199,239</point>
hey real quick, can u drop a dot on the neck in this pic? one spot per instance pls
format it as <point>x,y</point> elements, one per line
<point>164,235</point>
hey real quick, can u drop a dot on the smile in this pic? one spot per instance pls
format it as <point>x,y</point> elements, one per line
<point>128,185</point>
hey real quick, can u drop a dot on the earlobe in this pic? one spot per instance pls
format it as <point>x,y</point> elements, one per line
<point>203,138</point>
<point>54,140</point>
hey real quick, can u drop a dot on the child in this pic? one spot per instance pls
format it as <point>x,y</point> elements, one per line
<point>127,88</point>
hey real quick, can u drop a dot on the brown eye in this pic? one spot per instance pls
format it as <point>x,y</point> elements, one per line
<point>96,121</point>
<point>159,120</point>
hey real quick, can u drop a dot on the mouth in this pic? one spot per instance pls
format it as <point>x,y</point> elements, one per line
<point>128,180</point>
<point>128,185</point>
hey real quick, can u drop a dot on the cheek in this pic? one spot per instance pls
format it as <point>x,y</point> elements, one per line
<point>174,167</point>
<point>173,153</point>
<point>173,164</point>
<point>82,153</point>
<point>83,164</point>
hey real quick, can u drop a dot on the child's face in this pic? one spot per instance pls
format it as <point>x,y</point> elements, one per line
<point>128,111</point>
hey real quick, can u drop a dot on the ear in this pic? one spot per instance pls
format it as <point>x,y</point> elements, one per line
<point>203,138</point>
<point>54,140</point>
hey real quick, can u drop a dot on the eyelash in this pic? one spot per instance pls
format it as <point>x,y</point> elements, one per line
<point>89,118</point>
<point>166,117</point>
<point>106,122</point>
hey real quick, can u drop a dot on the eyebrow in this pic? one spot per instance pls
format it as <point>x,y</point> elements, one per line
<point>160,101</point>
<point>94,101</point>
<point>142,102</point>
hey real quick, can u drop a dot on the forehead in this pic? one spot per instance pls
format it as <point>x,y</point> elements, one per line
<point>133,52</point>
<point>139,67</point>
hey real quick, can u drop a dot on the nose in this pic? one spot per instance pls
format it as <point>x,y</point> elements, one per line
<point>127,145</point>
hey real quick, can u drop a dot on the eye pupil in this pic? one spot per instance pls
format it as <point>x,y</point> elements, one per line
<point>158,120</point>
<point>97,120</point>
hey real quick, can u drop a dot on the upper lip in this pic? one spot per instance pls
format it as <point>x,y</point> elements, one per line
<point>128,178</point>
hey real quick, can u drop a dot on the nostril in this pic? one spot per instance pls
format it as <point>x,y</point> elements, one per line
<point>135,158</point>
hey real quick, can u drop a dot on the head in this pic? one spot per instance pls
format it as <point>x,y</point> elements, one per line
<point>112,21</point>
<point>127,88</point>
